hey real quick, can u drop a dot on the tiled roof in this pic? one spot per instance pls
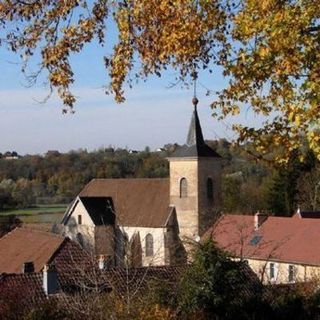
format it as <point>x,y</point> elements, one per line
<point>278,238</point>
<point>27,245</point>
<point>137,202</point>
<point>70,256</point>
<point>138,279</point>
<point>118,280</point>
<point>251,282</point>
<point>19,293</point>
<point>28,289</point>
<point>47,227</point>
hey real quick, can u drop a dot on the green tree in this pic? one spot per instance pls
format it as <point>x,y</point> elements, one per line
<point>278,202</point>
<point>231,193</point>
<point>216,286</point>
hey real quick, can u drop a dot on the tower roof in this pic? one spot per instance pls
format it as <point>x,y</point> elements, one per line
<point>195,145</point>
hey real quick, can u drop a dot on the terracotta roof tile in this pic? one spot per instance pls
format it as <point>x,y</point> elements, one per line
<point>24,245</point>
<point>28,245</point>
<point>70,256</point>
<point>138,279</point>
<point>19,293</point>
<point>284,239</point>
<point>46,227</point>
<point>118,280</point>
<point>137,202</point>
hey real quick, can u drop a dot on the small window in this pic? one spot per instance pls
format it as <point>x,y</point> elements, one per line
<point>183,188</point>
<point>291,273</point>
<point>79,219</point>
<point>272,271</point>
<point>255,240</point>
<point>149,245</point>
<point>209,189</point>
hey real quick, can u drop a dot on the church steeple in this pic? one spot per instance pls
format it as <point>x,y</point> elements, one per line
<point>195,136</point>
<point>195,145</point>
<point>195,175</point>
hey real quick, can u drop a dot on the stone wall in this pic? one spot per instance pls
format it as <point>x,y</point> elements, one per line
<point>158,258</point>
<point>302,273</point>
<point>186,208</point>
<point>208,208</point>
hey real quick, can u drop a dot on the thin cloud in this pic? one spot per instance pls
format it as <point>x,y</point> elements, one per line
<point>148,117</point>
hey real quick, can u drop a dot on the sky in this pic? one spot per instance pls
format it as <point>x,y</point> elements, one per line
<point>152,115</point>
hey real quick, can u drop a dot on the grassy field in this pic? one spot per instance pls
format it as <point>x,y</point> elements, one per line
<point>37,210</point>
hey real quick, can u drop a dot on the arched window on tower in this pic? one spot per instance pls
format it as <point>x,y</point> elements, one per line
<point>209,189</point>
<point>183,188</point>
<point>149,245</point>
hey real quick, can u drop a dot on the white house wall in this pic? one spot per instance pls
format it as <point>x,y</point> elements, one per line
<point>158,243</point>
<point>302,272</point>
<point>86,228</point>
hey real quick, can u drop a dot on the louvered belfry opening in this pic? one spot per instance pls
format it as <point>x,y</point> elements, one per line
<point>209,189</point>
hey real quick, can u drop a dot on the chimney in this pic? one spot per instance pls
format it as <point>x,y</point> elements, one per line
<point>101,262</point>
<point>259,219</point>
<point>298,211</point>
<point>50,279</point>
<point>28,267</point>
<point>104,261</point>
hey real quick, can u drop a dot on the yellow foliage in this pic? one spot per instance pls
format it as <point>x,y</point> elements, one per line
<point>268,49</point>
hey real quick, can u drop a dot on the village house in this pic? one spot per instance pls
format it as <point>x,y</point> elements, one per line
<point>24,250</point>
<point>74,290</point>
<point>278,249</point>
<point>152,218</point>
<point>10,155</point>
<point>34,289</point>
<point>152,221</point>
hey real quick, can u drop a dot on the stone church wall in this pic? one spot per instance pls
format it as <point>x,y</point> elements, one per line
<point>158,243</point>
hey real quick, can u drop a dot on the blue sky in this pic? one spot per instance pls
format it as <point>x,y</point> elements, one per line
<point>152,115</point>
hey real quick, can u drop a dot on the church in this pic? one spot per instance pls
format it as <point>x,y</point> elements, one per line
<point>150,221</point>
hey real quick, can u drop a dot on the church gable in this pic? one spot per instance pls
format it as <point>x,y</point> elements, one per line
<point>153,215</point>
<point>136,202</point>
<point>90,211</point>
<point>77,214</point>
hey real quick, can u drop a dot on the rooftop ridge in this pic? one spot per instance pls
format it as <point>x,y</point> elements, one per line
<point>50,234</point>
<point>30,230</point>
<point>128,179</point>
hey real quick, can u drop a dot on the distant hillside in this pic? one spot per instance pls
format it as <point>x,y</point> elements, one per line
<point>247,186</point>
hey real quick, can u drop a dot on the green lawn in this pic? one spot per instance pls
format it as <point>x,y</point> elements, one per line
<point>37,210</point>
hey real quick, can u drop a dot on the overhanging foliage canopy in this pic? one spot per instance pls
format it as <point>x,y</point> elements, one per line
<point>269,50</point>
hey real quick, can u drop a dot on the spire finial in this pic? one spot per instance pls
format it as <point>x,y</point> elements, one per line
<point>195,100</point>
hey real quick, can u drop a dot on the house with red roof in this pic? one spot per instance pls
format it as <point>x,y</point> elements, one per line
<point>24,250</point>
<point>278,249</point>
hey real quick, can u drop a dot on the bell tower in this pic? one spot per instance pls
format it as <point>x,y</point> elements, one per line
<point>195,180</point>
